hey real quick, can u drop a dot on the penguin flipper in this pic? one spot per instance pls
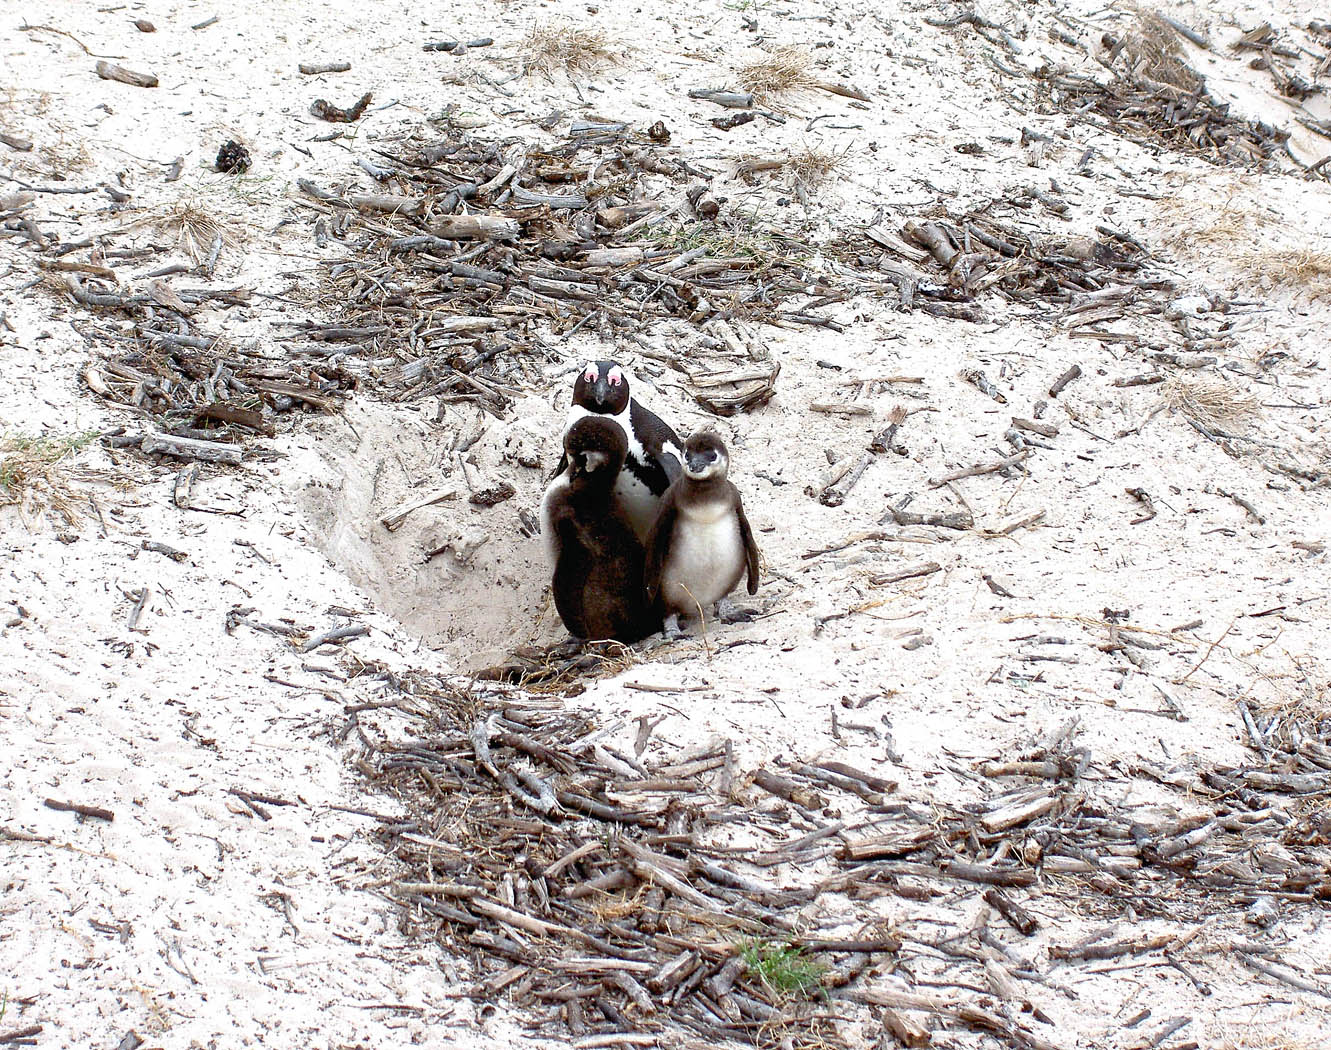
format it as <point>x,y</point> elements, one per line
<point>574,533</point>
<point>563,466</point>
<point>750,548</point>
<point>658,544</point>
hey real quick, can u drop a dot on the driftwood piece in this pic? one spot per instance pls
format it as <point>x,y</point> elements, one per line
<point>906,1032</point>
<point>111,71</point>
<point>728,99</point>
<point>788,789</point>
<point>1060,384</point>
<point>980,468</point>
<point>927,569</point>
<point>97,812</point>
<point>931,237</point>
<point>983,383</point>
<point>311,69</point>
<point>1048,430</point>
<point>1024,922</point>
<point>325,110</point>
<point>389,202</point>
<point>393,520</point>
<point>191,448</point>
<point>885,439</point>
<point>476,227</point>
<point>968,1013</point>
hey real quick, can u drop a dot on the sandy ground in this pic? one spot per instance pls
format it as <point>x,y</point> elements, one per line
<point>194,921</point>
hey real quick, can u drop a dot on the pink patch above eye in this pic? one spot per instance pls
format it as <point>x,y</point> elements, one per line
<point>616,377</point>
<point>590,375</point>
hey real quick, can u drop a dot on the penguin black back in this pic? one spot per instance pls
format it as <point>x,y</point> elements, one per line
<point>598,558</point>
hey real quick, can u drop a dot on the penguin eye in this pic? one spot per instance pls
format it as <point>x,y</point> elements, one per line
<point>616,377</point>
<point>590,374</point>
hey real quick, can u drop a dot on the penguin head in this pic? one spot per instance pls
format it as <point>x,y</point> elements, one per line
<point>596,446</point>
<point>705,456</point>
<point>602,386</point>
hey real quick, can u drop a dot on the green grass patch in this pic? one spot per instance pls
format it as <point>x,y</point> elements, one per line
<point>24,458</point>
<point>782,967</point>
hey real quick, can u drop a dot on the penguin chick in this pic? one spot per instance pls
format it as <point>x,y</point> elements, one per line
<point>701,544</point>
<point>653,459</point>
<point>597,558</point>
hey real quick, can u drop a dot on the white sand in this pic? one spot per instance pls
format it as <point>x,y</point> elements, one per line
<point>239,931</point>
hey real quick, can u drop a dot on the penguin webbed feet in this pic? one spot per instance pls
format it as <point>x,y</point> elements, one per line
<point>728,612</point>
<point>671,629</point>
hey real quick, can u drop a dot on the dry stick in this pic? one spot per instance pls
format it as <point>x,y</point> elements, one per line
<point>111,71</point>
<point>981,468</point>
<point>1185,31</point>
<point>835,495</point>
<point>393,520</point>
<point>1144,498</point>
<point>1175,708</point>
<point>1020,523</point>
<point>1063,380</point>
<point>928,568</point>
<point>80,809</point>
<point>1258,740</point>
<point>140,604</point>
<point>1245,505</point>
<point>702,622</point>
<point>1024,922</point>
<point>18,1035</point>
<point>1048,430</point>
<point>1207,654</point>
<point>1282,974</point>
<point>315,68</point>
<point>337,634</point>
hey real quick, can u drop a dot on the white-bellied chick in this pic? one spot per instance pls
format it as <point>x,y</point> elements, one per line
<point>702,543</point>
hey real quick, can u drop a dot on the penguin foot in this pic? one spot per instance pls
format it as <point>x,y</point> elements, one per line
<point>728,612</point>
<point>671,628</point>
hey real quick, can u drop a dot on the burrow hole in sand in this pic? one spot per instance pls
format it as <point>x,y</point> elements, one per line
<point>485,592</point>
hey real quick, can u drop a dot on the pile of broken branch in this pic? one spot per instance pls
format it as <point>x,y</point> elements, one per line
<point>472,249</point>
<point>622,898</point>
<point>979,252</point>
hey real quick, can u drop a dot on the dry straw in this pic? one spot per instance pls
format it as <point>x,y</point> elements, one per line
<point>1211,403</point>
<point>555,47</point>
<point>782,70</point>
<point>37,472</point>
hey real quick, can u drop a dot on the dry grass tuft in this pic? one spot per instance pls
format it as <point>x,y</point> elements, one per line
<point>809,168</point>
<point>1212,403</point>
<point>1297,269</point>
<point>1241,234</point>
<point>1268,1035</point>
<point>37,472</point>
<point>1154,49</point>
<point>782,70</point>
<point>194,230</point>
<point>1197,227</point>
<point>554,47</point>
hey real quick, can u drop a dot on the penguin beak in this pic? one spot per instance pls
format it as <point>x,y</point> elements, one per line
<point>601,391</point>
<point>698,461</point>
